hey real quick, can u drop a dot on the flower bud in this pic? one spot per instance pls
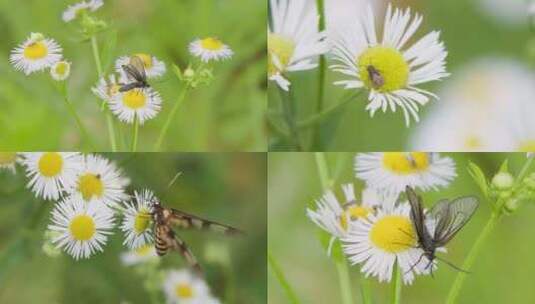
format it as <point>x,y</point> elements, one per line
<point>503,181</point>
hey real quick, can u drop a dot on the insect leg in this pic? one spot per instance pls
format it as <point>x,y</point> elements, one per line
<point>184,250</point>
<point>414,265</point>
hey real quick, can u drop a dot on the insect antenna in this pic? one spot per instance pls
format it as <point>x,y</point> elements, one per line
<point>452,265</point>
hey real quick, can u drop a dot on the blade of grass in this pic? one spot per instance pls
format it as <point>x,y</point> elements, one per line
<point>279,274</point>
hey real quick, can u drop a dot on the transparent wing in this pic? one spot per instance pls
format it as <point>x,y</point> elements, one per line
<point>138,64</point>
<point>417,213</point>
<point>189,221</point>
<point>131,73</point>
<point>451,216</point>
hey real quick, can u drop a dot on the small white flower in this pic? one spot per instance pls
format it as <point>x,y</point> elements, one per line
<point>209,49</point>
<point>386,68</point>
<point>334,216</point>
<point>106,89</point>
<point>81,229</point>
<point>60,70</point>
<point>391,172</point>
<point>9,160</point>
<point>37,53</point>
<point>74,11</point>
<point>144,254</point>
<point>184,287</point>
<point>50,173</point>
<point>137,222</point>
<point>153,66</point>
<point>99,179</point>
<point>142,104</point>
<point>294,42</point>
<point>382,239</point>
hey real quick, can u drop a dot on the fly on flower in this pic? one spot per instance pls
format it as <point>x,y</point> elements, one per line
<point>165,219</point>
<point>135,74</point>
<point>448,218</point>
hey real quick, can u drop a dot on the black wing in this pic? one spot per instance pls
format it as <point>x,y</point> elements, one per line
<point>417,214</point>
<point>135,70</point>
<point>138,64</point>
<point>451,216</point>
<point>189,221</point>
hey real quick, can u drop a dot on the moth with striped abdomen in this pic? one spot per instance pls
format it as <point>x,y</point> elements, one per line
<point>165,219</point>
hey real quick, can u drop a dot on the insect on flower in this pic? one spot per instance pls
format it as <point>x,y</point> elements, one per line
<point>448,218</point>
<point>377,80</point>
<point>166,239</point>
<point>135,73</point>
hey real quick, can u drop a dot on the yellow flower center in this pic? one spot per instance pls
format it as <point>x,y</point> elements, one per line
<point>61,68</point>
<point>7,158</point>
<point>406,163</point>
<point>141,221</point>
<point>282,49</point>
<point>144,250</point>
<point>146,58</point>
<point>184,291</point>
<point>134,99</point>
<point>82,227</point>
<point>50,164</point>
<point>353,212</point>
<point>36,50</point>
<point>383,69</point>
<point>212,44</point>
<point>393,234</point>
<point>473,143</point>
<point>527,146</point>
<point>90,185</point>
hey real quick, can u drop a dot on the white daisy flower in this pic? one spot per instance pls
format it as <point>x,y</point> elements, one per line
<point>209,49</point>
<point>391,172</point>
<point>144,254</point>
<point>60,70</point>
<point>334,216</point>
<point>37,53</point>
<point>74,11</point>
<point>184,287</point>
<point>81,228</point>
<point>487,106</point>
<point>387,68</point>
<point>294,42</point>
<point>383,240</point>
<point>99,179</point>
<point>137,222</point>
<point>142,104</point>
<point>106,89</point>
<point>8,161</point>
<point>50,173</point>
<point>153,66</point>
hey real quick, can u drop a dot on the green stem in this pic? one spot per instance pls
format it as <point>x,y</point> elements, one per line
<point>289,115</point>
<point>323,170</point>
<point>470,259</point>
<point>365,290</point>
<point>109,118</point>
<point>345,285</point>
<point>70,108</point>
<point>523,172</point>
<point>317,118</point>
<point>290,294</point>
<point>170,118</point>
<point>396,285</point>
<point>134,136</point>
<point>316,135</point>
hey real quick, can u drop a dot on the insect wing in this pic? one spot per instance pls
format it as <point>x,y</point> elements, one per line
<point>189,221</point>
<point>132,73</point>
<point>451,216</point>
<point>417,214</point>
<point>139,66</point>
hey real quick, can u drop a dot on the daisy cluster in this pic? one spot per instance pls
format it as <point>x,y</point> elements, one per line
<point>89,192</point>
<point>389,66</point>
<point>375,228</point>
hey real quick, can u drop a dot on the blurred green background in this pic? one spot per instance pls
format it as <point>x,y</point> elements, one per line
<point>225,116</point>
<point>229,188</point>
<point>468,34</point>
<point>502,273</point>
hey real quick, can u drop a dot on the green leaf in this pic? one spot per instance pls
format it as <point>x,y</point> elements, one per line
<point>479,177</point>
<point>504,167</point>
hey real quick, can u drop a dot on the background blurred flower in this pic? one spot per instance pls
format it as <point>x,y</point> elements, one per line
<point>37,53</point>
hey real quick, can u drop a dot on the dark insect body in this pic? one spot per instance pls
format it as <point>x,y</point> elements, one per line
<point>377,80</point>
<point>135,72</point>
<point>448,216</point>
<point>165,219</point>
